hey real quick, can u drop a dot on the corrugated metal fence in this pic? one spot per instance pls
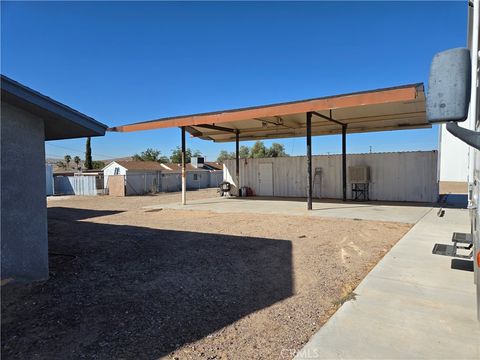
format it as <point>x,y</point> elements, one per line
<point>75,185</point>
<point>396,176</point>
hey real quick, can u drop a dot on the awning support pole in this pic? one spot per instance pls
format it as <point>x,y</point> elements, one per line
<point>184,170</point>
<point>237,161</point>
<point>309,160</point>
<point>344,161</point>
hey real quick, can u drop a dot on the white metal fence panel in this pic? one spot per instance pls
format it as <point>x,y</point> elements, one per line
<point>216,177</point>
<point>49,179</point>
<point>75,185</point>
<point>171,182</point>
<point>139,183</point>
<point>396,176</point>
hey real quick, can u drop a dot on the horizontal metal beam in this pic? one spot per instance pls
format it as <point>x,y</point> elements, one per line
<point>193,132</point>
<point>246,136</point>
<point>327,118</point>
<point>274,123</point>
<point>219,128</point>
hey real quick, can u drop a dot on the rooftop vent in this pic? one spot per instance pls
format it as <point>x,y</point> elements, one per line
<point>198,161</point>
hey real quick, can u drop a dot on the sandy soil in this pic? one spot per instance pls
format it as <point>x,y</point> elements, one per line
<point>128,283</point>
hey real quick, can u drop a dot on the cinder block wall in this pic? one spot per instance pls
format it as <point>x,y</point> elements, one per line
<point>23,200</point>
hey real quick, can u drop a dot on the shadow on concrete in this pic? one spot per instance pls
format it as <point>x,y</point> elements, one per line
<point>455,201</point>
<point>462,264</point>
<point>135,292</point>
<point>337,201</point>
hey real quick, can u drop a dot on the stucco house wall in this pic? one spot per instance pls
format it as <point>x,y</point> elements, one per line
<point>23,199</point>
<point>28,119</point>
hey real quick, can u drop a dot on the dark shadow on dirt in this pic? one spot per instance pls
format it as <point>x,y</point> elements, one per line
<point>72,214</point>
<point>133,292</point>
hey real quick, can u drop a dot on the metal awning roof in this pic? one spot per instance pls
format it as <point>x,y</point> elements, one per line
<point>396,108</point>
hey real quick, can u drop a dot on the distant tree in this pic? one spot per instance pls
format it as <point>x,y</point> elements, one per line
<point>176,156</point>
<point>98,164</point>
<point>147,155</point>
<point>276,150</point>
<point>244,152</point>
<point>150,155</point>
<point>225,155</point>
<point>196,153</point>
<point>77,160</point>
<point>258,150</point>
<point>163,159</point>
<point>88,155</point>
<point>67,159</point>
<point>60,164</point>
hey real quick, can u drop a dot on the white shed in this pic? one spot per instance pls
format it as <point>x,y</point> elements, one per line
<point>141,177</point>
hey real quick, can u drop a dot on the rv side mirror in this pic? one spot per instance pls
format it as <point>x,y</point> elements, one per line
<point>449,86</point>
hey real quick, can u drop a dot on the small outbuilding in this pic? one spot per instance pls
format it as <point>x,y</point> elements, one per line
<point>200,174</point>
<point>28,120</point>
<point>142,177</point>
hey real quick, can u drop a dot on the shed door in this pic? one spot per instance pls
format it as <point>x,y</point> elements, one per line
<point>265,179</point>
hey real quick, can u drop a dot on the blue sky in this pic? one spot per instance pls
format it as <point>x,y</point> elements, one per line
<point>123,62</point>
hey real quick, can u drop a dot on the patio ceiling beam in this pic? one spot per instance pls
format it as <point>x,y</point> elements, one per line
<point>329,118</point>
<point>218,128</point>
<point>275,123</point>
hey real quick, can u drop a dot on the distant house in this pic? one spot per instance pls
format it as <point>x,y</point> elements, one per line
<point>143,177</point>
<point>199,175</point>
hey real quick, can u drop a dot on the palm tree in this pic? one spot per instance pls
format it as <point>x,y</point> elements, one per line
<point>77,160</point>
<point>67,159</point>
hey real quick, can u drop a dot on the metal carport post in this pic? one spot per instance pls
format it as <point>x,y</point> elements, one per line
<point>344,150</point>
<point>309,160</point>
<point>184,170</point>
<point>344,161</point>
<point>237,160</point>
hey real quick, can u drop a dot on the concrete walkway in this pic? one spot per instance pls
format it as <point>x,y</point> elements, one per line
<point>411,305</point>
<point>377,211</point>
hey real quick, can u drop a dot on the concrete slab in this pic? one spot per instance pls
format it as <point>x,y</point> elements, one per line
<point>377,211</point>
<point>411,305</point>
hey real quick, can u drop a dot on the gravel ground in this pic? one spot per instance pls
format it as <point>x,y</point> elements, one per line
<point>128,283</point>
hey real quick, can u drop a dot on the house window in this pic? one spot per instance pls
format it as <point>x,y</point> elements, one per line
<point>195,176</point>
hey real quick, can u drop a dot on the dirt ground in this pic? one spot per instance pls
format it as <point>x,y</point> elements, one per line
<point>130,283</point>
